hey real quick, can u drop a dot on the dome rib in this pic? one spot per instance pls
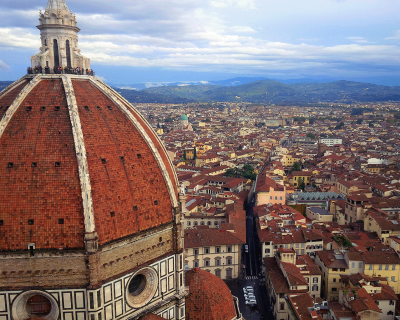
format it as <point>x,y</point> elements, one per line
<point>16,103</point>
<point>80,150</point>
<point>143,119</point>
<point>111,95</point>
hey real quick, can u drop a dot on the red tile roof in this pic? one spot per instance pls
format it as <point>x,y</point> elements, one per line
<point>209,297</point>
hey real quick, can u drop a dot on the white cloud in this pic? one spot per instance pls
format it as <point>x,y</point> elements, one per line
<point>358,39</point>
<point>4,66</point>
<point>395,37</point>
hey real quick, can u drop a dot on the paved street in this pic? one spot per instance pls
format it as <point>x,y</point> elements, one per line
<point>252,276</point>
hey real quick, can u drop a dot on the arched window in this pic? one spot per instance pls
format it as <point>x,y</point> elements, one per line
<point>56,57</point>
<point>67,48</point>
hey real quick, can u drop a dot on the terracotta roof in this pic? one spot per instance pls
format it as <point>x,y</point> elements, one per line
<point>363,301</point>
<point>301,304</point>
<point>209,297</point>
<point>41,180</point>
<point>201,237</point>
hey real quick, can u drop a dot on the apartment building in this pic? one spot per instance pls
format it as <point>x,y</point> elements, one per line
<point>214,250</point>
<point>288,274</point>
<point>301,240</point>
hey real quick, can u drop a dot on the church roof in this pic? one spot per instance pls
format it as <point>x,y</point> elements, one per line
<point>209,297</point>
<point>184,117</point>
<point>76,159</point>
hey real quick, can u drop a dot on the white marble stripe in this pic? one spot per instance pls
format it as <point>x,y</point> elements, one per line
<point>128,104</point>
<point>16,103</point>
<point>12,86</point>
<point>80,150</point>
<point>113,96</point>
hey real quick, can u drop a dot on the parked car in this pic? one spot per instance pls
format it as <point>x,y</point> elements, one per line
<point>246,248</point>
<point>249,287</point>
<point>251,302</point>
<point>249,297</point>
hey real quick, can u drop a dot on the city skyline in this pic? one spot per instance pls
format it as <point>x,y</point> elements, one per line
<point>155,41</point>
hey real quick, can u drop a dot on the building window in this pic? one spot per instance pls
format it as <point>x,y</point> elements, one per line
<point>353,264</point>
<point>314,288</point>
<point>297,245</point>
<point>207,263</point>
<point>202,223</point>
<point>370,267</point>
<point>215,223</point>
<point>206,250</point>
<point>394,267</point>
<point>342,270</point>
<point>229,273</point>
<point>391,302</point>
<point>195,264</point>
<point>390,313</point>
<point>393,279</point>
<point>195,223</point>
<point>229,261</point>
<point>334,289</point>
<point>282,306</point>
<point>189,223</point>
<point>380,267</point>
<point>228,249</point>
<point>387,267</point>
<point>334,279</point>
<point>276,198</point>
<point>334,269</point>
<point>267,250</point>
<point>217,249</point>
<point>218,273</point>
<point>209,223</point>
<point>315,280</point>
<point>195,252</point>
<point>306,279</point>
<point>217,262</point>
<point>280,198</point>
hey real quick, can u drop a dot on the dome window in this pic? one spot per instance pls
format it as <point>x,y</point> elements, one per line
<point>42,109</point>
<point>122,158</point>
<point>137,285</point>
<point>38,306</point>
<point>28,109</point>
<point>31,222</point>
<point>109,107</point>
<point>60,221</point>
<point>98,107</point>
<point>10,165</point>
<point>57,108</point>
<point>156,203</point>
<point>135,208</point>
<point>112,214</point>
<point>141,287</point>
<point>139,156</point>
<point>86,108</point>
<point>103,160</point>
<point>1,223</point>
<point>57,164</point>
<point>34,164</point>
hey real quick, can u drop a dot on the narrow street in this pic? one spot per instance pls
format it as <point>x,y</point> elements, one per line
<point>252,275</point>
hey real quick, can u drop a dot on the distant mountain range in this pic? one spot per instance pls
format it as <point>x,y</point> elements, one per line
<point>271,91</point>
<point>260,90</point>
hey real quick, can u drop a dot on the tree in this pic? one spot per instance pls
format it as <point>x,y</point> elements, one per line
<point>194,153</point>
<point>296,166</point>
<point>301,184</point>
<point>240,147</point>
<point>311,135</point>
<point>359,121</point>
<point>184,154</point>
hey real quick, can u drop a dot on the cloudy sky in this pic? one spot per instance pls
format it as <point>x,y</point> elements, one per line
<point>134,41</point>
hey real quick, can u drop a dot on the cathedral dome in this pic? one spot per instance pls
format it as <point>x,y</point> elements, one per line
<point>184,117</point>
<point>209,297</point>
<point>76,160</point>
